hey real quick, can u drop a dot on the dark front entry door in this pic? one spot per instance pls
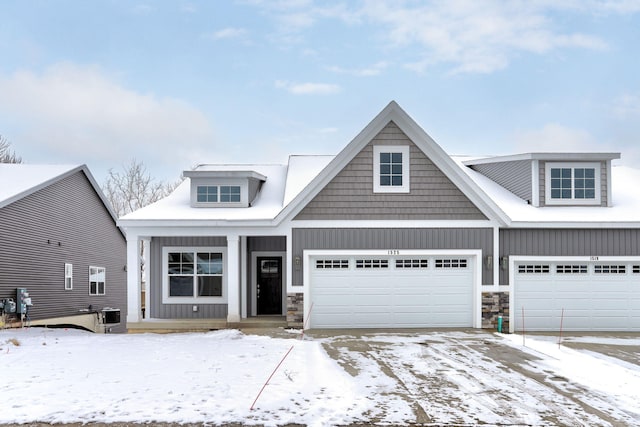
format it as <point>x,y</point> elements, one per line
<point>269,287</point>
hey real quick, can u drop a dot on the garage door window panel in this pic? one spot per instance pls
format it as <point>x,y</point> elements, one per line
<point>534,269</point>
<point>332,264</point>
<point>372,264</point>
<point>451,263</point>
<point>572,269</point>
<point>412,263</point>
<point>609,269</point>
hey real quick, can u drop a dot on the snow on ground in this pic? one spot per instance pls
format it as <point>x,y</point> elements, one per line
<point>457,377</point>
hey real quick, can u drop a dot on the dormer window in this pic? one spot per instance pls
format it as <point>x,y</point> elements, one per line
<point>224,188</point>
<point>218,194</point>
<point>390,169</point>
<point>572,183</point>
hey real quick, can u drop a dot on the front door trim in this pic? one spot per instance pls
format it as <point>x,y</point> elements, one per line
<point>254,278</point>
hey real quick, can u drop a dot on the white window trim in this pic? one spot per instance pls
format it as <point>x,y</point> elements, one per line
<point>220,182</point>
<point>98,294</point>
<point>406,185</point>
<point>68,274</point>
<point>166,299</point>
<point>547,184</point>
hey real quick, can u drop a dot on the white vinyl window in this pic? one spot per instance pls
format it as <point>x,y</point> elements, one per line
<point>68,277</point>
<point>193,275</point>
<point>218,194</point>
<point>391,169</point>
<point>572,183</point>
<point>97,280</point>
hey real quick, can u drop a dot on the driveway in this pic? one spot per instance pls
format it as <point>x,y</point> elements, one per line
<point>476,377</point>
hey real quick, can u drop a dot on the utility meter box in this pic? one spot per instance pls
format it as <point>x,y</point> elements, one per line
<point>23,301</point>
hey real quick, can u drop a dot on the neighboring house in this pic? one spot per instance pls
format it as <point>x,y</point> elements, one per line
<point>391,233</point>
<point>60,242</point>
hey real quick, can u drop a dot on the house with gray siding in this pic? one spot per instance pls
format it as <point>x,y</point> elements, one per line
<point>393,232</point>
<point>62,256</point>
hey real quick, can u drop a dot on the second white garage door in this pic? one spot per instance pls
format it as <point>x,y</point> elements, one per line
<point>392,291</point>
<point>580,295</point>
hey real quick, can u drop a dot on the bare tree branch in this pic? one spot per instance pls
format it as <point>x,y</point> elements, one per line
<point>133,188</point>
<point>7,155</point>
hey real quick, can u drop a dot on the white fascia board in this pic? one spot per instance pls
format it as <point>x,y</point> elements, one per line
<point>583,258</point>
<point>560,224</point>
<point>392,224</point>
<point>544,156</point>
<point>200,230</point>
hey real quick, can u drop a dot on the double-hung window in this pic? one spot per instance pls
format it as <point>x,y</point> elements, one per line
<point>572,183</point>
<point>390,169</point>
<point>97,280</point>
<point>193,275</point>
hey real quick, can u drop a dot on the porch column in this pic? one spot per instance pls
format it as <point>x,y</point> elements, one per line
<point>133,278</point>
<point>233,278</point>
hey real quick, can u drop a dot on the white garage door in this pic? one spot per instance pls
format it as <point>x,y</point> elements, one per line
<point>594,296</point>
<point>391,291</point>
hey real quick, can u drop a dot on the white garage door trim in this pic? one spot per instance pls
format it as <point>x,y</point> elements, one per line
<point>597,321</point>
<point>475,255</point>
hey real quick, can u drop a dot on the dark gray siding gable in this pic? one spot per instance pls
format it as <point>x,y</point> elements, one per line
<point>393,238</point>
<point>514,176</point>
<point>65,222</point>
<point>350,196</point>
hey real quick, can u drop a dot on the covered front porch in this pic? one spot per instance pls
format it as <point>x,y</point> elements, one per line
<point>196,282</point>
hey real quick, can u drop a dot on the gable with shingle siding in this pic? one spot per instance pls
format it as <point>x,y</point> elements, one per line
<point>349,195</point>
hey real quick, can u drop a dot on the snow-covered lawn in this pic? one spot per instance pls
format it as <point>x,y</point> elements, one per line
<point>457,377</point>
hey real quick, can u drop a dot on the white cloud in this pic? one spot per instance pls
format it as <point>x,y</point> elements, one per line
<point>627,106</point>
<point>374,70</point>
<point>472,36</point>
<point>554,137</point>
<point>308,88</point>
<point>468,36</point>
<point>228,33</point>
<point>79,114</point>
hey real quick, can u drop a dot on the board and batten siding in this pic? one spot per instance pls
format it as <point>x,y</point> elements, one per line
<point>350,196</point>
<point>568,242</point>
<point>65,222</point>
<point>604,196</point>
<point>180,311</point>
<point>514,176</point>
<point>393,238</point>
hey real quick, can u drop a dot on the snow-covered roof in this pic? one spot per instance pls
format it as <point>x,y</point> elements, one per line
<point>20,180</point>
<point>282,184</point>
<point>625,207</point>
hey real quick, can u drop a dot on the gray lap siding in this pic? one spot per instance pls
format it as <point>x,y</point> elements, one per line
<point>65,222</point>
<point>393,238</point>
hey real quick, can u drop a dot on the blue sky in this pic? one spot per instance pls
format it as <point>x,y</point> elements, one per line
<point>177,83</point>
